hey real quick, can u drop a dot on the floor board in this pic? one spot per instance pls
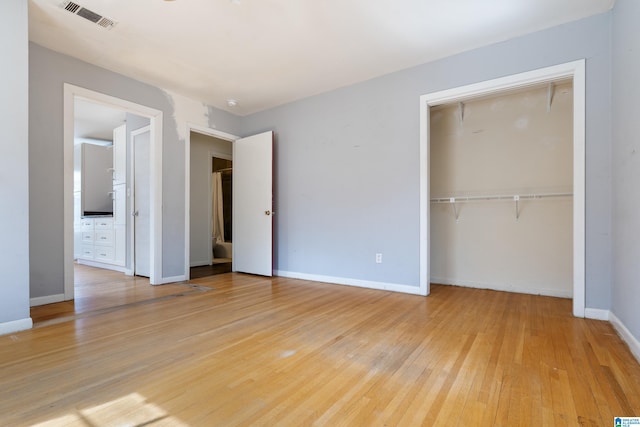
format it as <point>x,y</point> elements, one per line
<point>235,349</point>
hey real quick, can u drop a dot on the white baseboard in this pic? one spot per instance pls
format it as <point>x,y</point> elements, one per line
<point>15,326</point>
<point>165,280</point>
<point>104,265</point>
<point>596,314</point>
<point>505,288</point>
<point>415,290</point>
<point>49,299</point>
<point>626,335</point>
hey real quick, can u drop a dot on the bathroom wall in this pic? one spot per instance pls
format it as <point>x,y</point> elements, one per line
<point>504,145</point>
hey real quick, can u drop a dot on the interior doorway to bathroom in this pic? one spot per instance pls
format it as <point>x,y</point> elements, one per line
<point>211,181</point>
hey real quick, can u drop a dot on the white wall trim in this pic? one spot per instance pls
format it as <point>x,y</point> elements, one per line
<point>15,326</point>
<point>574,70</point>
<point>597,314</point>
<point>502,287</point>
<point>71,92</point>
<point>626,335</point>
<point>187,183</point>
<point>394,287</point>
<point>49,299</point>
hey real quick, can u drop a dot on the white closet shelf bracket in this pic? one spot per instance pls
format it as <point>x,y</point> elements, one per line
<point>461,112</point>
<point>550,93</point>
<point>456,213</point>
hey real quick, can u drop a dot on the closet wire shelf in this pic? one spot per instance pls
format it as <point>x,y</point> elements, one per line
<point>499,197</point>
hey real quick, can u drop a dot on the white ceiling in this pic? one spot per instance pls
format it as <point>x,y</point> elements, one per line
<point>96,121</point>
<point>265,53</point>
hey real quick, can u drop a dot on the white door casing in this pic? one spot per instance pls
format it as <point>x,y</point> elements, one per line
<point>252,204</point>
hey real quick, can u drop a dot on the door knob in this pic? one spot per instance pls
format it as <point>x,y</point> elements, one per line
<point>135,213</point>
<point>267,213</point>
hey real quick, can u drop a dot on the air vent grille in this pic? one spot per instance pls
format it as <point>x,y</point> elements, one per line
<point>88,14</point>
<point>106,23</point>
<point>72,7</point>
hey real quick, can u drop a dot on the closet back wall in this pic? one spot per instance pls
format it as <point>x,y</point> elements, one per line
<point>511,144</point>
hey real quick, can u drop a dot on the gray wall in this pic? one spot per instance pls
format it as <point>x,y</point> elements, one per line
<point>346,161</point>
<point>48,71</point>
<point>14,162</point>
<point>626,164</point>
<point>347,172</point>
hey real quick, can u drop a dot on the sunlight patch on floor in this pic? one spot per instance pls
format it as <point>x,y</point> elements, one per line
<point>131,410</point>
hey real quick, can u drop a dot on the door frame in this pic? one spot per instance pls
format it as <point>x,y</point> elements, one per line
<point>70,93</point>
<point>132,196</point>
<point>187,191</point>
<point>574,70</point>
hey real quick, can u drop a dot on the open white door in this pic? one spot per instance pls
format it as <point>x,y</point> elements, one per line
<point>252,204</point>
<point>140,140</point>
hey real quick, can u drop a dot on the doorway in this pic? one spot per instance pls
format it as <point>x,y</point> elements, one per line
<point>252,249</point>
<point>210,202</point>
<point>154,117</point>
<point>574,71</point>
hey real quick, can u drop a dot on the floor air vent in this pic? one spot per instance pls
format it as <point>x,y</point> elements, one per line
<point>87,14</point>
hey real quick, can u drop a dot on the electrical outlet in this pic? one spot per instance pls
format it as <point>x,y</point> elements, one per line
<point>378,258</point>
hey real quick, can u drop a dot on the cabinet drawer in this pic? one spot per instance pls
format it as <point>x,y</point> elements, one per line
<point>103,253</point>
<point>87,236</point>
<point>103,223</point>
<point>87,252</point>
<point>86,224</point>
<point>103,237</point>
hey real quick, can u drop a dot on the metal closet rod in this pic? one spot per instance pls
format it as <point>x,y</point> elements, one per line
<point>510,197</point>
<point>514,197</point>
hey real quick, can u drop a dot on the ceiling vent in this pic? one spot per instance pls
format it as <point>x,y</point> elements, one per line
<point>87,14</point>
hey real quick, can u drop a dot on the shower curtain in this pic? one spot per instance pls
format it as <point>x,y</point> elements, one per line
<point>217,217</point>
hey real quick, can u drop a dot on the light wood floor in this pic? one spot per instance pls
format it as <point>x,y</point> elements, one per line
<point>234,349</point>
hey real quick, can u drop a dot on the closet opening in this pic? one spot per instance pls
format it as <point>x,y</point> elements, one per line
<point>501,190</point>
<point>503,207</point>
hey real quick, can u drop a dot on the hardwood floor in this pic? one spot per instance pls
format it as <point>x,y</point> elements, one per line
<point>235,349</point>
<point>210,270</point>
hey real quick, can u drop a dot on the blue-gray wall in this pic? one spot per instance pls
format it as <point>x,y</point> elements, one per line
<point>14,167</point>
<point>48,71</point>
<point>626,165</point>
<point>347,171</point>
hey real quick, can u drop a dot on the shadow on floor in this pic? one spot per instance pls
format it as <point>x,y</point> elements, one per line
<point>210,270</point>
